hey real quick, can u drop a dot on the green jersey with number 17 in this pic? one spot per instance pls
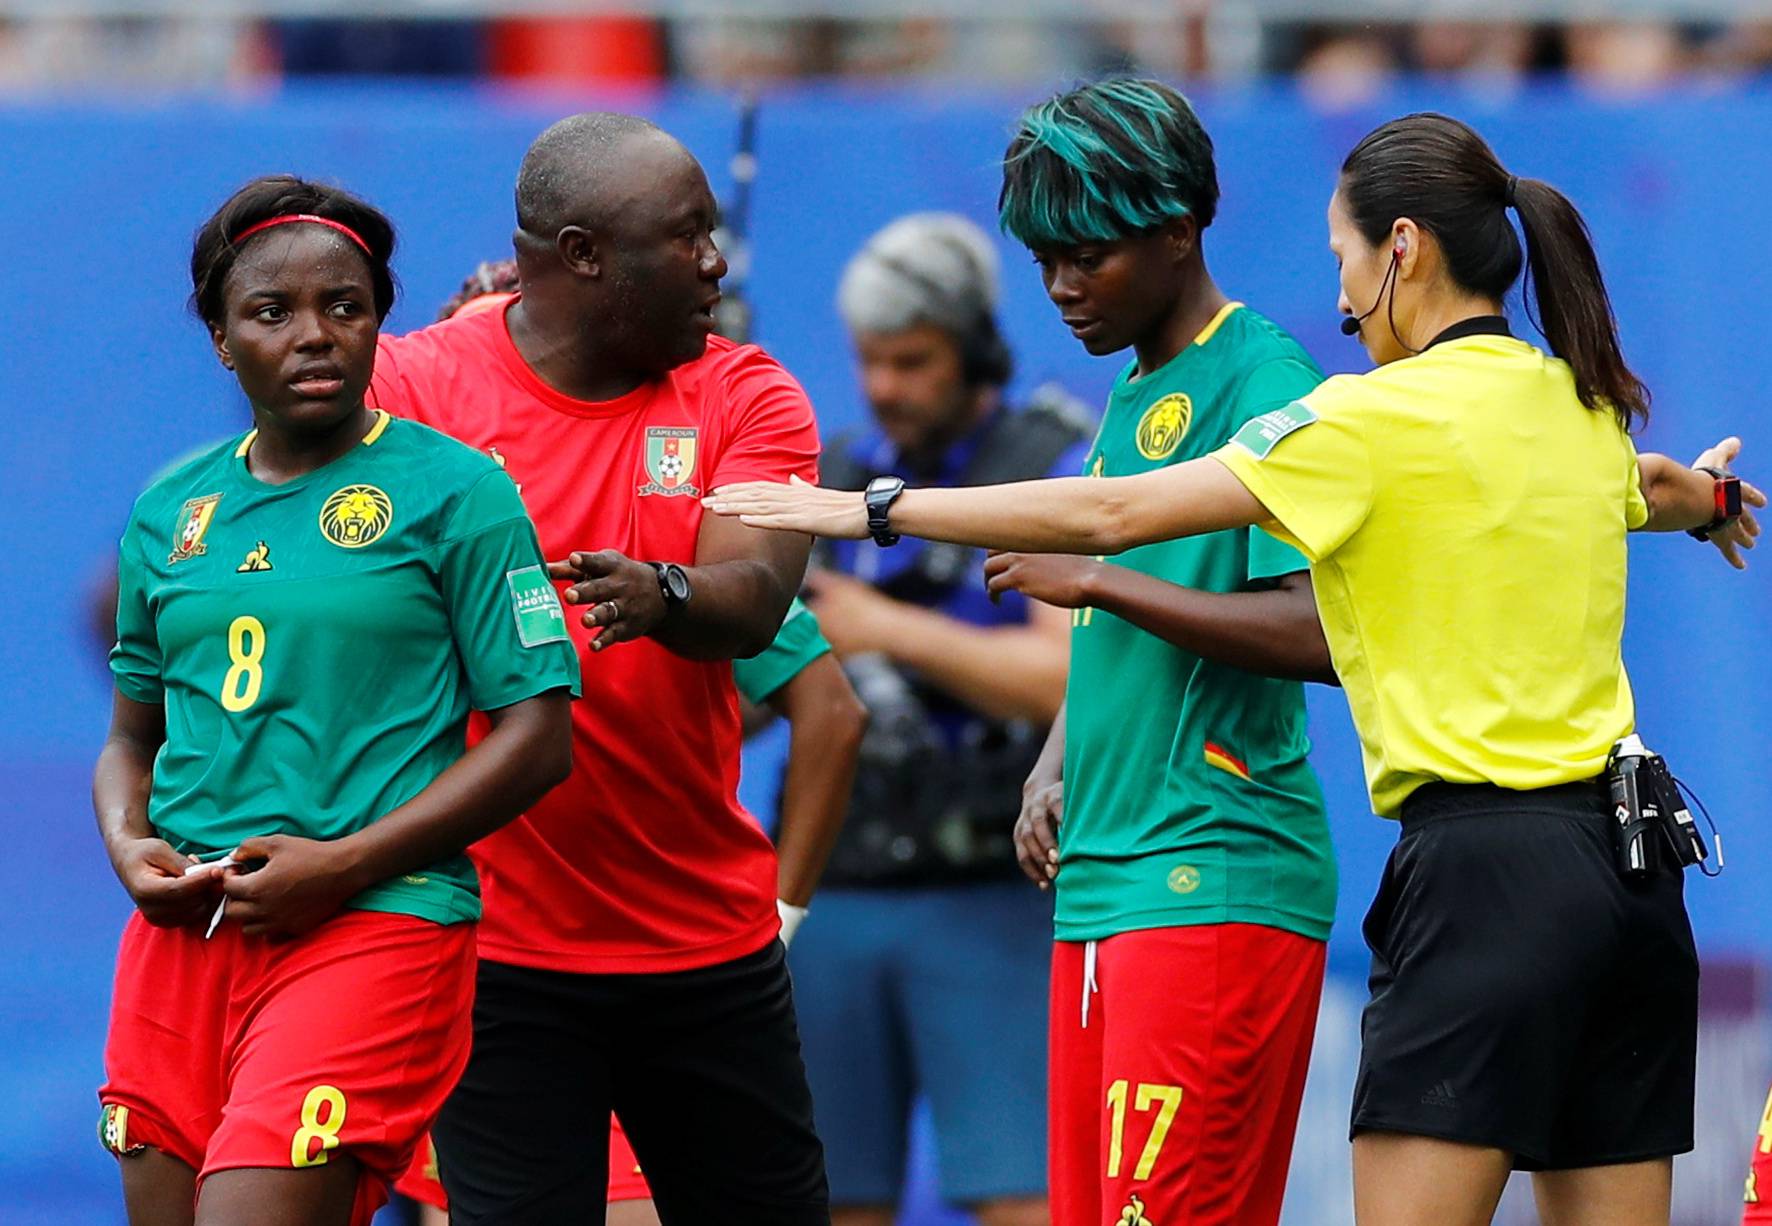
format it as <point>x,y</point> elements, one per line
<point>1188,799</point>
<point>318,644</point>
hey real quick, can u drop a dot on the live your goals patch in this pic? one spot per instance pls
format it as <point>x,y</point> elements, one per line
<point>540,619</point>
<point>1259,434</point>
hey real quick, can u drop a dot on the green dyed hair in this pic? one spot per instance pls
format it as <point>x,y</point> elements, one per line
<point>1106,161</point>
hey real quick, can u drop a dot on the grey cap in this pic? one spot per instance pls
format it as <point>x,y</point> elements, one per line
<point>924,268</point>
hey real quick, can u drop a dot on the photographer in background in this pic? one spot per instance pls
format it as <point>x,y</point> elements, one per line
<point>925,973</point>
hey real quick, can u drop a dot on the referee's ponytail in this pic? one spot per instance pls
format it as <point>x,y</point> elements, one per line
<point>1442,175</point>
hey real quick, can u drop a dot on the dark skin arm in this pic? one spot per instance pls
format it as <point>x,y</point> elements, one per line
<point>301,882</point>
<point>1273,632</point>
<point>743,581</point>
<point>152,872</point>
<point>826,722</point>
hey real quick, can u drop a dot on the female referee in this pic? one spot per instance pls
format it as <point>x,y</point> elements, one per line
<point>1464,509</point>
<point>305,616</point>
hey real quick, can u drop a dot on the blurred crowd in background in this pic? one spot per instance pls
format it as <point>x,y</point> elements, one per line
<point>1339,62</point>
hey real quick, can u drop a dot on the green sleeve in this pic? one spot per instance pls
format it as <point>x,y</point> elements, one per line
<point>508,624</point>
<point>135,660</point>
<point>798,643</point>
<point>1274,385</point>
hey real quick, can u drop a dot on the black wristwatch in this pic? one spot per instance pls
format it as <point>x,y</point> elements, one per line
<point>673,585</point>
<point>881,493</point>
<point>1728,502</point>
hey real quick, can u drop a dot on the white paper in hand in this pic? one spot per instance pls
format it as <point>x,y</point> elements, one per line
<point>216,919</point>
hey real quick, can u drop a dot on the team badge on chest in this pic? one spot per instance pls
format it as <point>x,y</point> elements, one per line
<point>193,522</point>
<point>355,516</point>
<point>1164,425</point>
<point>670,461</point>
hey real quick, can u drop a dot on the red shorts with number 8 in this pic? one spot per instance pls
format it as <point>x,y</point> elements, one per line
<point>1174,1091</point>
<point>244,1051</point>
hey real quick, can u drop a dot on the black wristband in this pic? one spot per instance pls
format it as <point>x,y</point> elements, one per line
<point>673,585</point>
<point>1727,492</point>
<point>878,498</point>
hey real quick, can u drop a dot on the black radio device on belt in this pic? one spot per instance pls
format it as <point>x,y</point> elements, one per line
<point>1649,814</point>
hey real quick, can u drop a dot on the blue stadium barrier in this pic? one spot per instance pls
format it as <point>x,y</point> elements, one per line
<point>111,377</point>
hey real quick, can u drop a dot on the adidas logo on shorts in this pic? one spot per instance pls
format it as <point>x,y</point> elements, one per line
<point>1440,1096</point>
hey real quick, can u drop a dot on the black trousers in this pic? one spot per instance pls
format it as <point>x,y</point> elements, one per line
<point>702,1066</point>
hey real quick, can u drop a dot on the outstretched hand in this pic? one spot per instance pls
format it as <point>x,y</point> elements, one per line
<point>624,597</point>
<point>797,506</point>
<point>1734,537</point>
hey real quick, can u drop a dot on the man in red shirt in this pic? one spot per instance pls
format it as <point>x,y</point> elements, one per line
<point>628,958</point>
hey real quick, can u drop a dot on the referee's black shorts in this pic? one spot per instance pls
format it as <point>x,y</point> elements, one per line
<point>702,1066</point>
<point>1525,996</point>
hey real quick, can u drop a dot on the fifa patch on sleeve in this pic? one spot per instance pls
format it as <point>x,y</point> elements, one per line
<point>536,606</point>
<point>1259,434</point>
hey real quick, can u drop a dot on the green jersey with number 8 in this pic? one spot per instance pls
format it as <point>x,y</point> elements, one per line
<point>318,644</point>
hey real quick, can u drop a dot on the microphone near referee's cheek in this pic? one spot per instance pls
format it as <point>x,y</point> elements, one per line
<point>1352,324</point>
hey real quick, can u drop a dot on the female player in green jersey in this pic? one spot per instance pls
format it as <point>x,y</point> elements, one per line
<point>306,615</point>
<point>1194,847</point>
<point>1464,508</point>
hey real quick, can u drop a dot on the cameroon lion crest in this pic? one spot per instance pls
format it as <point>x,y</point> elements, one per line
<point>1163,426</point>
<point>356,516</point>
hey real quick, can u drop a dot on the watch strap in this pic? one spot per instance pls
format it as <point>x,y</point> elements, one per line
<point>1727,494</point>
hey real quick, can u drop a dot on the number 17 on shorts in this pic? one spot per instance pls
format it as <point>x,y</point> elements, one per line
<point>1174,1095</point>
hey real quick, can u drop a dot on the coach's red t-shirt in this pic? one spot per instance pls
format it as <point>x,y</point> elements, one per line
<point>643,859</point>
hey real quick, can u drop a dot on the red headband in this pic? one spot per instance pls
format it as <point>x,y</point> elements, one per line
<point>284,220</point>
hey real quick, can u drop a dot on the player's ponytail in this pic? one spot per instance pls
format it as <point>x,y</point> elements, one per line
<point>1442,175</point>
<point>219,240</point>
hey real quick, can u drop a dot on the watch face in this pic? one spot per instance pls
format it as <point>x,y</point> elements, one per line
<point>676,583</point>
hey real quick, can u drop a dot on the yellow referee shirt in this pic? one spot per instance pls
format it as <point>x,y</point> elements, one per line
<point>1465,519</point>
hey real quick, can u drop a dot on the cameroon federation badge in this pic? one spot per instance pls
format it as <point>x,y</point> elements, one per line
<point>355,516</point>
<point>193,522</point>
<point>670,461</point>
<point>1164,425</point>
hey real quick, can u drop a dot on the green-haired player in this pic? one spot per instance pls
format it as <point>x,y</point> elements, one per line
<point>1195,880</point>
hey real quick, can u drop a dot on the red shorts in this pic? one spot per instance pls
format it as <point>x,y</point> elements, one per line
<point>1758,1208</point>
<point>421,1183</point>
<point>1174,1085</point>
<point>243,1051</point>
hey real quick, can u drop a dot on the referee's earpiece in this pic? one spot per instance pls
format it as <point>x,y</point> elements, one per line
<point>1352,324</point>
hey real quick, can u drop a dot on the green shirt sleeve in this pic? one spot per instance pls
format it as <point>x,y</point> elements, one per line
<point>1274,385</point>
<point>135,659</point>
<point>798,643</point>
<point>509,626</point>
